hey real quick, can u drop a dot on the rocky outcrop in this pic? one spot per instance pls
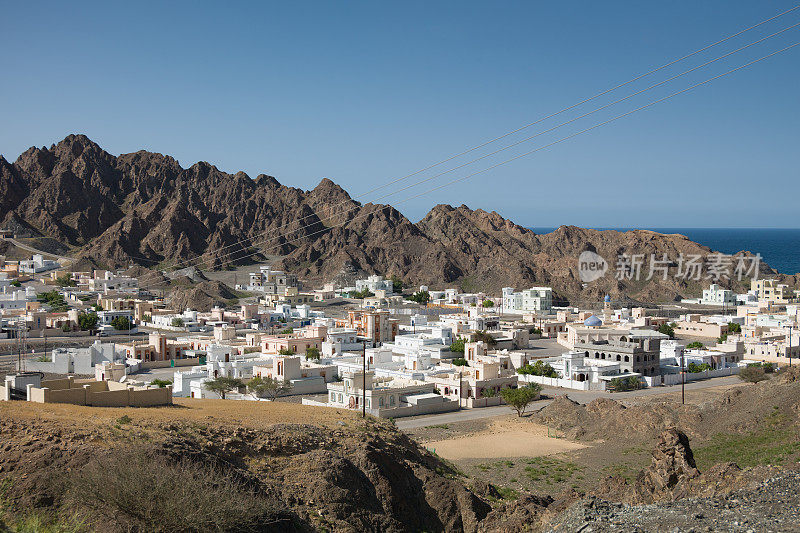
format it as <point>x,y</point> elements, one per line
<point>671,470</point>
<point>362,475</point>
<point>145,208</point>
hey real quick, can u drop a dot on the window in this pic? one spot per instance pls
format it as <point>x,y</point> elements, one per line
<point>391,400</point>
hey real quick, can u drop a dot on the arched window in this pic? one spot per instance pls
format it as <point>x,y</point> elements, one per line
<point>638,359</point>
<point>627,359</point>
<point>618,357</point>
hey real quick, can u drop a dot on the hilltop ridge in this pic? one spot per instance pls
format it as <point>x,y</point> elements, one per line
<point>144,208</point>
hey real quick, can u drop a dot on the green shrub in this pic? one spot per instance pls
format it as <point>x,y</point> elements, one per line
<point>421,297</point>
<point>667,329</point>
<point>538,368</point>
<point>694,368</point>
<point>121,323</point>
<point>87,321</point>
<point>457,346</point>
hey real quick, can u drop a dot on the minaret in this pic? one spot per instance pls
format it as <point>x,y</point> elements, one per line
<point>608,312</point>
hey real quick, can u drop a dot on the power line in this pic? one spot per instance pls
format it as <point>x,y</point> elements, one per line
<point>187,262</point>
<point>346,220</point>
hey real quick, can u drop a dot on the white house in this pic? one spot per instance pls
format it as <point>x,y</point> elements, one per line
<point>716,295</point>
<point>37,264</point>
<point>375,283</point>
<point>535,299</point>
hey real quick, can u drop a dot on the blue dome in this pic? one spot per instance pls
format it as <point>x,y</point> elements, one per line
<point>607,298</point>
<point>592,321</point>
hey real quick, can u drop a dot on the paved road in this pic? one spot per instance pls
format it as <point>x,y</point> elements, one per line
<point>583,397</point>
<point>35,251</point>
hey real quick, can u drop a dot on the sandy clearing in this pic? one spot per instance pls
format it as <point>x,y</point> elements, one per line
<point>503,440</point>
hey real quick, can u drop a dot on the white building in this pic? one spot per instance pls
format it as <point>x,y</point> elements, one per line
<point>533,300</point>
<point>78,360</point>
<point>385,397</point>
<point>375,283</point>
<point>37,264</point>
<point>18,299</point>
<point>716,295</point>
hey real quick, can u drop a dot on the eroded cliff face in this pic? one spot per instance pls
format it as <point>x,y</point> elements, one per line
<point>145,208</point>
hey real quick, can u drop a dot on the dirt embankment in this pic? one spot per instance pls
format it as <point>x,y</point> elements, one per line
<point>284,467</point>
<point>335,472</point>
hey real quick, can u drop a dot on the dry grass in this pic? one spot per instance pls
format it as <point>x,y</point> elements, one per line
<point>255,415</point>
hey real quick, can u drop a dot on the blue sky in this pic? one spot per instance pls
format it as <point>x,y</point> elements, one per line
<point>364,92</point>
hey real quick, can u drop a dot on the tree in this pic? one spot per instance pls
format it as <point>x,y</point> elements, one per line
<point>161,383</point>
<point>624,384</point>
<point>457,346</point>
<point>488,303</point>
<point>460,361</point>
<point>667,329</point>
<point>539,368</point>
<point>121,323</point>
<point>485,337</point>
<point>489,392</point>
<point>752,374</point>
<point>223,385</point>
<point>286,351</point>
<point>87,321</point>
<point>694,368</point>
<point>520,398</point>
<point>313,353</point>
<point>733,327</point>
<point>287,331</point>
<point>54,300</point>
<point>722,338</point>
<point>397,283</point>
<point>65,280</point>
<point>177,322</point>
<point>16,283</point>
<point>268,387</point>
<point>696,345</point>
<point>364,293</point>
<point>536,331</point>
<point>147,318</point>
<point>421,297</point>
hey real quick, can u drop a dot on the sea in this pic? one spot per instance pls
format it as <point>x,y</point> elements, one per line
<point>779,247</point>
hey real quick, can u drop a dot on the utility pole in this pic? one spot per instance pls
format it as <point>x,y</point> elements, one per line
<point>364,379</point>
<point>683,382</point>
<point>460,389</point>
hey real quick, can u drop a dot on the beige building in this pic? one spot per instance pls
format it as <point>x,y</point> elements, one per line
<point>770,291</point>
<point>98,393</point>
<point>694,327</point>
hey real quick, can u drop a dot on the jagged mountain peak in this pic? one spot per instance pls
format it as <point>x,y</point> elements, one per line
<point>145,205</point>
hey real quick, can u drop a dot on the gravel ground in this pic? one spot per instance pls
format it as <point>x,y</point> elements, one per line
<point>772,506</point>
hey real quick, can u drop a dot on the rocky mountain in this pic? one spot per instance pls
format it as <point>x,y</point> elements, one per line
<point>144,208</point>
